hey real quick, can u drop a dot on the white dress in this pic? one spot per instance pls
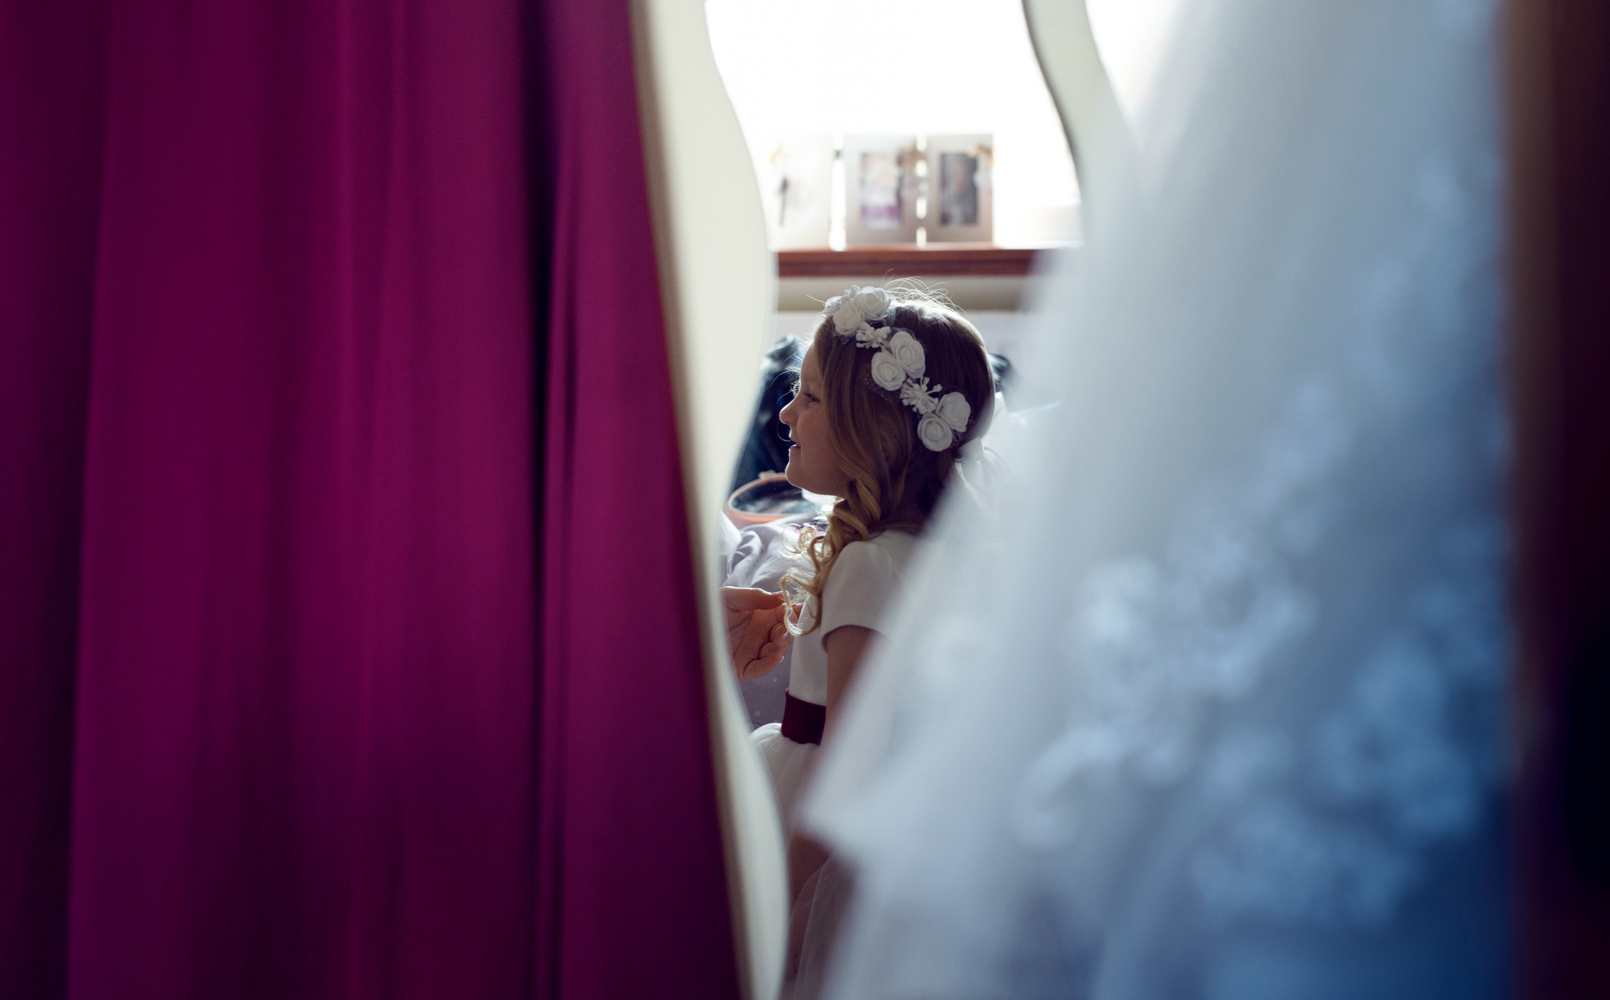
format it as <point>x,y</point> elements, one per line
<point>863,579</point>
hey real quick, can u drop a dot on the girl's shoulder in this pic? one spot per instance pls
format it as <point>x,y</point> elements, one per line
<point>886,551</point>
<point>863,579</point>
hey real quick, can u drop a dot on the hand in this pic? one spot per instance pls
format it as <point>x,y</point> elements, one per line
<point>756,635</point>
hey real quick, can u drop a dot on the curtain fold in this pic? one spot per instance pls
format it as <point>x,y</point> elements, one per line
<point>631,862</point>
<point>304,688</point>
<point>279,718</point>
<point>52,127</point>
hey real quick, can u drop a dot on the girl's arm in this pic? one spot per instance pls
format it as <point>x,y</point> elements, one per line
<point>844,646</point>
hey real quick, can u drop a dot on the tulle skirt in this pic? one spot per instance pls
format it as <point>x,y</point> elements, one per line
<point>789,764</point>
<point>815,915</point>
<point>813,927</point>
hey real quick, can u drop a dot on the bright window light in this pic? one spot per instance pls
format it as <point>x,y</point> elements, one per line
<point>803,67</point>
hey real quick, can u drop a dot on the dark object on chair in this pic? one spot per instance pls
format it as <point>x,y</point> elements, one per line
<point>1000,368</point>
<point>766,447</point>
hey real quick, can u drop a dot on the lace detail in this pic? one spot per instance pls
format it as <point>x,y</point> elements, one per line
<point>1150,647</point>
<point>1411,752</point>
<point>1228,671</point>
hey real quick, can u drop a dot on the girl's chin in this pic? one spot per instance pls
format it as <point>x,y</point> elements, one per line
<point>792,475</point>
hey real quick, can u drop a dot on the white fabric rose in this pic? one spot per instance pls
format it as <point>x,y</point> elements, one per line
<point>955,411</point>
<point>847,317</point>
<point>873,302</point>
<point>917,397</point>
<point>887,370</point>
<point>934,433</point>
<point>908,351</point>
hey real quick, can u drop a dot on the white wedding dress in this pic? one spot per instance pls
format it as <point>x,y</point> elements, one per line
<point>1211,704</point>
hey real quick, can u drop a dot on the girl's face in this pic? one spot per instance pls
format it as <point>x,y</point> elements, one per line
<point>812,463</point>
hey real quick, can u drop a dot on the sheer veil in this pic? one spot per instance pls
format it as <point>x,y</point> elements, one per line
<point>1209,702</point>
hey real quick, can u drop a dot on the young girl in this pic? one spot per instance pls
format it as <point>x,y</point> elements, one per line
<point>890,389</point>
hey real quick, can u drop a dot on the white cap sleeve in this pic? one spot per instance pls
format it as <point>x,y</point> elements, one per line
<point>861,583</point>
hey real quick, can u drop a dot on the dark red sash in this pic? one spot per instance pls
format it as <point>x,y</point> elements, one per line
<point>802,721</point>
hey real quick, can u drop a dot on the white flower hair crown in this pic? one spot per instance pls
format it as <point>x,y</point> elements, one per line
<point>898,366</point>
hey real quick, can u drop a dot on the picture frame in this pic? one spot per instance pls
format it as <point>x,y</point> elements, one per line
<point>960,188</point>
<point>796,191</point>
<point>880,189</point>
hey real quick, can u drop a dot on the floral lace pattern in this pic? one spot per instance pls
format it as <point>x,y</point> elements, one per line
<point>1406,756</point>
<point>1215,700</point>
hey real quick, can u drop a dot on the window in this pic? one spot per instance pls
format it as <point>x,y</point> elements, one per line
<point>843,67</point>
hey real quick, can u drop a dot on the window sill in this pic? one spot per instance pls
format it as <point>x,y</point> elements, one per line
<point>906,261</point>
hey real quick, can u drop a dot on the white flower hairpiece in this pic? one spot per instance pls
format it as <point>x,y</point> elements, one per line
<point>899,364</point>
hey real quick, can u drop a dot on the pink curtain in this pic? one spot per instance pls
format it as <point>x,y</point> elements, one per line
<point>52,121</point>
<point>348,642</point>
<point>632,885</point>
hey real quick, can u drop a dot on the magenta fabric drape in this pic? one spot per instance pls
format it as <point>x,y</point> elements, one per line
<point>303,730</point>
<point>52,122</point>
<point>631,860</point>
<point>349,647</point>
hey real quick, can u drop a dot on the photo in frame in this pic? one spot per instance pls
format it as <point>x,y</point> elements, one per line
<point>960,196</point>
<point>796,187</point>
<point>880,188</point>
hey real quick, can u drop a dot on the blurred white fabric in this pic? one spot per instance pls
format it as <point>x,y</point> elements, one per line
<point>1210,705</point>
<point>758,556</point>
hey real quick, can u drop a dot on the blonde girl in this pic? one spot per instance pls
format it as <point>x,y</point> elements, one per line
<point>892,387</point>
